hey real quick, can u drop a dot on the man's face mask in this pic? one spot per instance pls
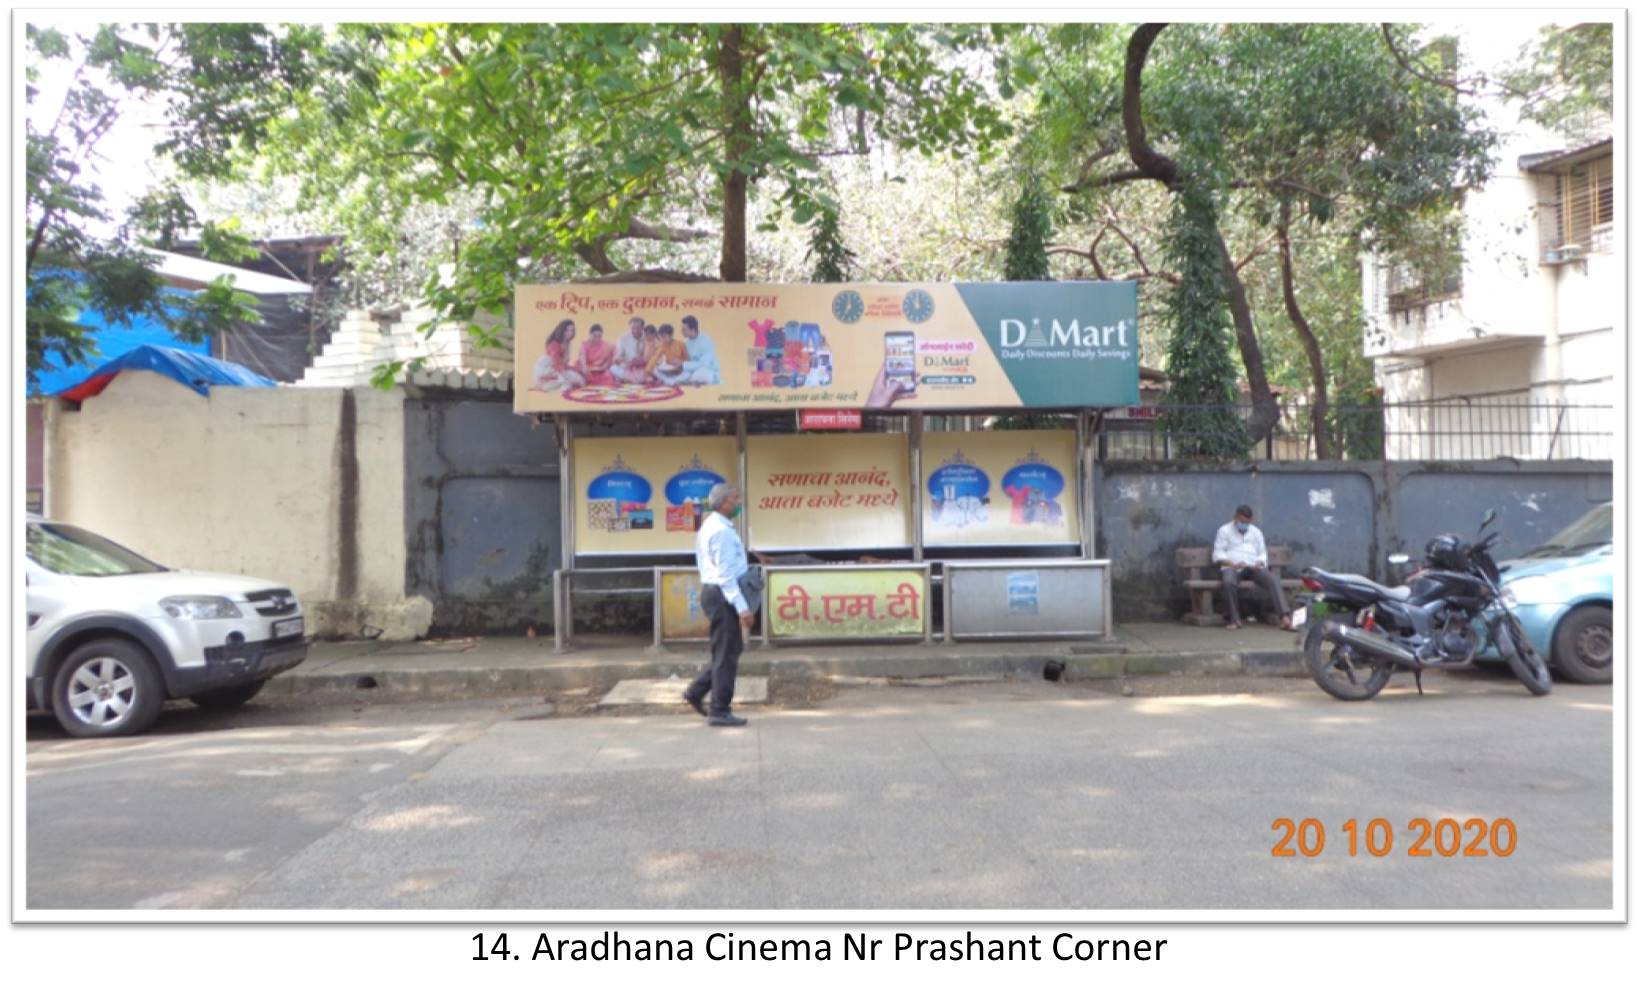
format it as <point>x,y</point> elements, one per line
<point>1242,526</point>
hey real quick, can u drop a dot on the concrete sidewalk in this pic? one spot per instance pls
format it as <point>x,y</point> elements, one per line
<point>506,665</point>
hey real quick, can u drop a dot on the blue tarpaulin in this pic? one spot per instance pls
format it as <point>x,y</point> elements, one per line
<point>196,371</point>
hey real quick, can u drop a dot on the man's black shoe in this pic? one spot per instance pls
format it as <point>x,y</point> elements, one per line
<point>726,720</point>
<point>697,704</point>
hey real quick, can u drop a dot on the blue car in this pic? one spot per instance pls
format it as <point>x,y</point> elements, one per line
<point>1563,593</point>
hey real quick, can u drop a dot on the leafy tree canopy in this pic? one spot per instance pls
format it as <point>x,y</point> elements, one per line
<point>580,140</point>
<point>1565,80</point>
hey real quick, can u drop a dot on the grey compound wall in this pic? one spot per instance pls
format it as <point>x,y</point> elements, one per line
<point>1345,516</point>
<point>481,508</point>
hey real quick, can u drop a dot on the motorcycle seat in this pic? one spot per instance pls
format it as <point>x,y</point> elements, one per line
<point>1399,594</point>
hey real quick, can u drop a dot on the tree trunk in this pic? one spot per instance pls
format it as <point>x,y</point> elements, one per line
<point>1144,157</point>
<point>1265,410</point>
<point>1319,414</point>
<point>736,108</point>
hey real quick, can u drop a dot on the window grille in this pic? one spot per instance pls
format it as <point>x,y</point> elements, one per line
<point>1580,218</point>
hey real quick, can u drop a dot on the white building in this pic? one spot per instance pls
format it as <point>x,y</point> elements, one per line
<point>1517,356</point>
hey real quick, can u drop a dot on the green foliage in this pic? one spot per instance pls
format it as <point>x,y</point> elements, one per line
<point>1565,80</point>
<point>581,143</point>
<point>1199,407</point>
<point>1357,425</point>
<point>1319,116</point>
<point>1326,261</point>
<point>1031,232</point>
<point>833,262</point>
<point>221,85</point>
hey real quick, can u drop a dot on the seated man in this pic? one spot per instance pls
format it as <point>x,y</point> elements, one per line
<point>1240,552</point>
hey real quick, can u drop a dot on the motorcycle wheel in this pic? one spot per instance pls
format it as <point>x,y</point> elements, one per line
<point>1330,671</point>
<point>1526,663</point>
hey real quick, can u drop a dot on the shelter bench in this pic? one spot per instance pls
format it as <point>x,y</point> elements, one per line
<point>1201,580</point>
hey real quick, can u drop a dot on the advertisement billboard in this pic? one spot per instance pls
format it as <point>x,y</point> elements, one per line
<point>828,492</point>
<point>1013,488</point>
<point>845,604</point>
<point>735,347</point>
<point>646,495</point>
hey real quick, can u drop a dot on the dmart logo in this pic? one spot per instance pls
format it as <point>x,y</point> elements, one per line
<point>1015,334</point>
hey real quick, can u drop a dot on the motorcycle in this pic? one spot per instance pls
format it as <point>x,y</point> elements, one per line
<point>1437,619</point>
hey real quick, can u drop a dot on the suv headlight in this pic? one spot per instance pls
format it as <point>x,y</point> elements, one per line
<point>1530,591</point>
<point>199,607</point>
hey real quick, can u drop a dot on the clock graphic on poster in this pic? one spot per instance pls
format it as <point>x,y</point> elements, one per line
<point>918,306</point>
<point>848,307</point>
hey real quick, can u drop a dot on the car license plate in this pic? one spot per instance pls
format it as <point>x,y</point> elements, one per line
<point>1299,617</point>
<point>288,627</point>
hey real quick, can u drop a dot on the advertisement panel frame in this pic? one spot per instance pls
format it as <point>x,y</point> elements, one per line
<point>913,346</point>
<point>1074,483</point>
<point>903,567</point>
<point>951,630</point>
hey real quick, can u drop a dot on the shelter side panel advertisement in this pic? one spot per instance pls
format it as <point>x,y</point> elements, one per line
<point>716,347</point>
<point>646,495</point>
<point>1013,488</point>
<point>828,492</point>
<point>681,615</point>
<point>845,605</point>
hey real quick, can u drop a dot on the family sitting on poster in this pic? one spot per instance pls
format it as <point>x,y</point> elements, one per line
<point>647,356</point>
<point>553,371</point>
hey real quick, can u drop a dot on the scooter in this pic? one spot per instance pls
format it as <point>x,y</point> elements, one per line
<point>1434,620</point>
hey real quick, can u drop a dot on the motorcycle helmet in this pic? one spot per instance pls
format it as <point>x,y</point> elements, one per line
<point>1447,552</point>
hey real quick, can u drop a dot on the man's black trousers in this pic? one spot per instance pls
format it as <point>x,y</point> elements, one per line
<point>727,642</point>
<point>1264,578</point>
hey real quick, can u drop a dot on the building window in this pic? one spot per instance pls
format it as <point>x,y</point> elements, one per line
<point>1582,218</point>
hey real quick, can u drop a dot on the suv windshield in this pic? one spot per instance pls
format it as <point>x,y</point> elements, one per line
<point>1591,531</point>
<point>71,550</point>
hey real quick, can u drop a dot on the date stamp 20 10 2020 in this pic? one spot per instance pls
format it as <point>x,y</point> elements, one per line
<point>1445,838</point>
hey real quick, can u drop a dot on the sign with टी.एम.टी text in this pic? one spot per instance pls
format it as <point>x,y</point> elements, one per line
<point>840,604</point>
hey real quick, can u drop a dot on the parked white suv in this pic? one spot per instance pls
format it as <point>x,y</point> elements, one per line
<point>112,635</point>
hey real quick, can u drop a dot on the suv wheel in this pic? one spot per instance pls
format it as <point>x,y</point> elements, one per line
<point>107,688</point>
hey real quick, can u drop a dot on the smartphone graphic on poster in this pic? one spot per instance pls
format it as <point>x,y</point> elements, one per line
<point>901,359</point>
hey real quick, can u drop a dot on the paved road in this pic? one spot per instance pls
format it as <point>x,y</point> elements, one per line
<point>1014,795</point>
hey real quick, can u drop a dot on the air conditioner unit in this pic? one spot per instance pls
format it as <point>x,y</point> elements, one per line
<point>1563,254</point>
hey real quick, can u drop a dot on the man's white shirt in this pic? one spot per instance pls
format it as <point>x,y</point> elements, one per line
<point>720,557</point>
<point>1238,548</point>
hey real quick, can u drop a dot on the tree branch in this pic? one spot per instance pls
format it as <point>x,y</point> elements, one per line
<point>1152,164</point>
<point>1465,88</point>
<point>1121,176</point>
<point>1256,250</point>
<point>1092,251</point>
<point>663,233</point>
<point>1320,410</point>
<point>651,276</point>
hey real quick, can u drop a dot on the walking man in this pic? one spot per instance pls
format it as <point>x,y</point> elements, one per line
<point>1241,554</point>
<point>720,557</point>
